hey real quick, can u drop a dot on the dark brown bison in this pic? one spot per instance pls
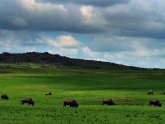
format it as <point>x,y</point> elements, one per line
<point>28,101</point>
<point>108,102</point>
<point>150,92</point>
<point>4,96</point>
<point>155,103</point>
<point>50,93</point>
<point>71,103</point>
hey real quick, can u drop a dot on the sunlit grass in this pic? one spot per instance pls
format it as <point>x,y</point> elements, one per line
<point>89,87</point>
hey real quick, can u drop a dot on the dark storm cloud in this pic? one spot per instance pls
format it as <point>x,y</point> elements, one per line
<point>133,18</point>
<point>137,18</point>
<point>18,38</point>
<point>31,15</point>
<point>143,33</point>
<point>100,3</point>
<point>119,17</point>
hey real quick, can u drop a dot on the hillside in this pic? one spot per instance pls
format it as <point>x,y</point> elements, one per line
<point>60,61</point>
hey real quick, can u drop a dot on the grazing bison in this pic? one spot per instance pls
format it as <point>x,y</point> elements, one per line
<point>50,93</point>
<point>155,103</point>
<point>150,92</point>
<point>4,96</point>
<point>28,101</point>
<point>108,102</point>
<point>71,103</point>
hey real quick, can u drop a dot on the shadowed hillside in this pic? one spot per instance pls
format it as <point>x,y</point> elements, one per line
<point>60,61</point>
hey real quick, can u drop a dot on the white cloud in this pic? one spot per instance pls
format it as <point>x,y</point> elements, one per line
<point>87,13</point>
<point>63,41</point>
<point>33,5</point>
<point>68,45</point>
<point>92,16</point>
<point>88,52</point>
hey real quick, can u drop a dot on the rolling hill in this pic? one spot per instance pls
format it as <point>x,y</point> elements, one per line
<point>60,61</point>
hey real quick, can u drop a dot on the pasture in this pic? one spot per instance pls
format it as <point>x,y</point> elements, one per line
<point>88,87</point>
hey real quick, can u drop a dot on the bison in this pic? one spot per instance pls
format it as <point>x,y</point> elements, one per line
<point>71,103</point>
<point>155,103</point>
<point>28,101</point>
<point>50,93</point>
<point>108,102</point>
<point>4,96</point>
<point>150,92</point>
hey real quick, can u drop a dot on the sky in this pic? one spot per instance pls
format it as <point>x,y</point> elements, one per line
<point>129,32</point>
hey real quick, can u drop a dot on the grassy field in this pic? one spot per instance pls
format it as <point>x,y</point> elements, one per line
<point>89,87</point>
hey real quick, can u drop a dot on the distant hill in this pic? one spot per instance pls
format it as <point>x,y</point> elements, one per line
<point>60,61</point>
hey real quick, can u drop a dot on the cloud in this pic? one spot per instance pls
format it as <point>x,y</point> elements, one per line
<point>137,18</point>
<point>137,52</point>
<point>33,5</point>
<point>119,18</point>
<point>12,39</point>
<point>64,41</point>
<point>92,17</point>
<point>20,22</point>
<point>122,31</point>
<point>100,3</point>
<point>129,46</point>
<point>38,16</point>
<point>87,13</point>
<point>68,45</point>
<point>106,43</point>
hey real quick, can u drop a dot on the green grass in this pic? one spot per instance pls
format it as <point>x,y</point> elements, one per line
<point>89,87</point>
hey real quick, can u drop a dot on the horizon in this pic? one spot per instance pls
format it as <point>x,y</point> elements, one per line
<point>80,59</point>
<point>127,32</point>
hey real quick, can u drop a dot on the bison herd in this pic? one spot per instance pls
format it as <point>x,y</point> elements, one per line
<point>74,103</point>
